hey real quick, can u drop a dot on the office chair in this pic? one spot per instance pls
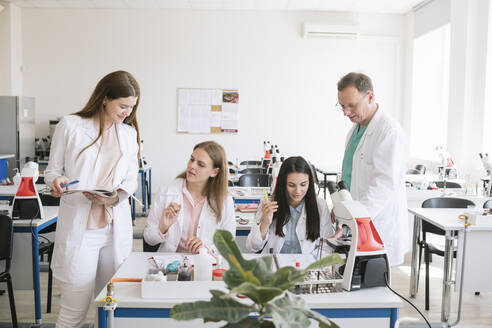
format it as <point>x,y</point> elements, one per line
<point>254,170</point>
<point>6,242</point>
<point>413,171</point>
<point>250,163</point>
<point>488,204</point>
<point>254,180</point>
<point>149,248</point>
<point>449,184</point>
<point>230,183</point>
<point>428,228</point>
<point>420,168</point>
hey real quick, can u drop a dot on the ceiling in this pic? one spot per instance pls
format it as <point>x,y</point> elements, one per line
<point>374,6</point>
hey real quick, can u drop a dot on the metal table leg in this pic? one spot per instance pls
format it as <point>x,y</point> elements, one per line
<point>447,277</point>
<point>35,276</point>
<point>414,274</point>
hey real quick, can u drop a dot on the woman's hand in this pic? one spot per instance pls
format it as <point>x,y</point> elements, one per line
<point>267,209</point>
<point>169,216</point>
<point>193,245</point>
<point>99,200</point>
<point>56,189</point>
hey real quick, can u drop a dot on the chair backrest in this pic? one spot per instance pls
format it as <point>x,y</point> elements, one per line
<point>6,235</point>
<point>449,184</point>
<point>420,168</point>
<point>487,204</point>
<point>255,170</point>
<point>229,183</point>
<point>442,202</point>
<point>254,180</point>
<point>447,202</point>
<point>149,248</point>
<point>413,171</point>
<point>247,163</point>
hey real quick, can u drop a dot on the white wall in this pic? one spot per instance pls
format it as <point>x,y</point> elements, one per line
<point>287,84</point>
<point>10,50</point>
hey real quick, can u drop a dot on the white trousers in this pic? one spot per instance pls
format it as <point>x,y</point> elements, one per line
<point>95,267</point>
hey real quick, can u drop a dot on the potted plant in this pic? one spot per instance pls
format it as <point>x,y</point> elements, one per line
<point>272,305</point>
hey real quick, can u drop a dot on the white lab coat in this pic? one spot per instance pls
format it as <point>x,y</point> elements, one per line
<point>207,224</point>
<point>378,182</point>
<point>254,243</point>
<point>72,134</point>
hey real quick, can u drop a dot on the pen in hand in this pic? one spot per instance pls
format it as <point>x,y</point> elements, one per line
<point>69,184</point>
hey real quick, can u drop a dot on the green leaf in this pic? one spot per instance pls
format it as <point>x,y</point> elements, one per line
<point>250,323</point>
<point>291,307</point>
<point>325,261</point>
<point>257,271</point>
<point>287,316</point>
<point>217,309</point>
<point>259,294</point>
<point>286,277</point>
<point>227,247</point>
<point>323,322</point>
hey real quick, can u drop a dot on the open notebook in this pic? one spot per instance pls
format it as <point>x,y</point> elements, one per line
<point>101,192</point>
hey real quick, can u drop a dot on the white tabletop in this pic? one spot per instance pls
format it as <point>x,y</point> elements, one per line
<point>4,156</point>
<point>447,218</point>
<point>136,266</point>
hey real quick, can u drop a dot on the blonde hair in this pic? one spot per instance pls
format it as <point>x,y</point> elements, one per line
<point>216,188</point>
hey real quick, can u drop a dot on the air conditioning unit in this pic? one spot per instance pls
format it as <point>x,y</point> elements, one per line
<point>328,30</point>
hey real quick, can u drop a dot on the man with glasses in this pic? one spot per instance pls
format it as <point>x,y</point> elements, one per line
<point>374,163</point>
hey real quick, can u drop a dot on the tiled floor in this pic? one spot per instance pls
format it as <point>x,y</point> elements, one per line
<point>477,310</point>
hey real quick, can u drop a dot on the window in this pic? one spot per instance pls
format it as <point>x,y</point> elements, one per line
<point>429,117</point>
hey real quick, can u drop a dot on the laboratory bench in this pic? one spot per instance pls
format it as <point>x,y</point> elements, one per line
<point>370,308</point>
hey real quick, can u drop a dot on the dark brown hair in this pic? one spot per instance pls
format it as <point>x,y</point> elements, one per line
<point>216,188</point>
<point>360,81</point>
<point>296,164</point>
<point>119,84</point>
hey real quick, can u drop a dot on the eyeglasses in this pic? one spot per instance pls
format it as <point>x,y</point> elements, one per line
<point>350,107</point>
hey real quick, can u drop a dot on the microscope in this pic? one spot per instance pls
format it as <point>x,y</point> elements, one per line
<point>26,203</point>
<point>366,262</point>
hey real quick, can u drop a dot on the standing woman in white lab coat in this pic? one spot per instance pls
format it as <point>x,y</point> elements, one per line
<point>187,212</point>
<point>296,218</point>
<point>97,146</point>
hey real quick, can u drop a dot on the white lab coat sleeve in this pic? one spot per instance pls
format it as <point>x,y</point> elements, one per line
<point>152,234</point>
<point>388,159</point>
<point>228,221</point>
<point>254,242</point>
<point>56,163</point>
<point>325,227</point>
<point>130,182</point>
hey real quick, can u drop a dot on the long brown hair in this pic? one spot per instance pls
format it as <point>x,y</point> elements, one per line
<point>119,84</point>
<point>216,188</point>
